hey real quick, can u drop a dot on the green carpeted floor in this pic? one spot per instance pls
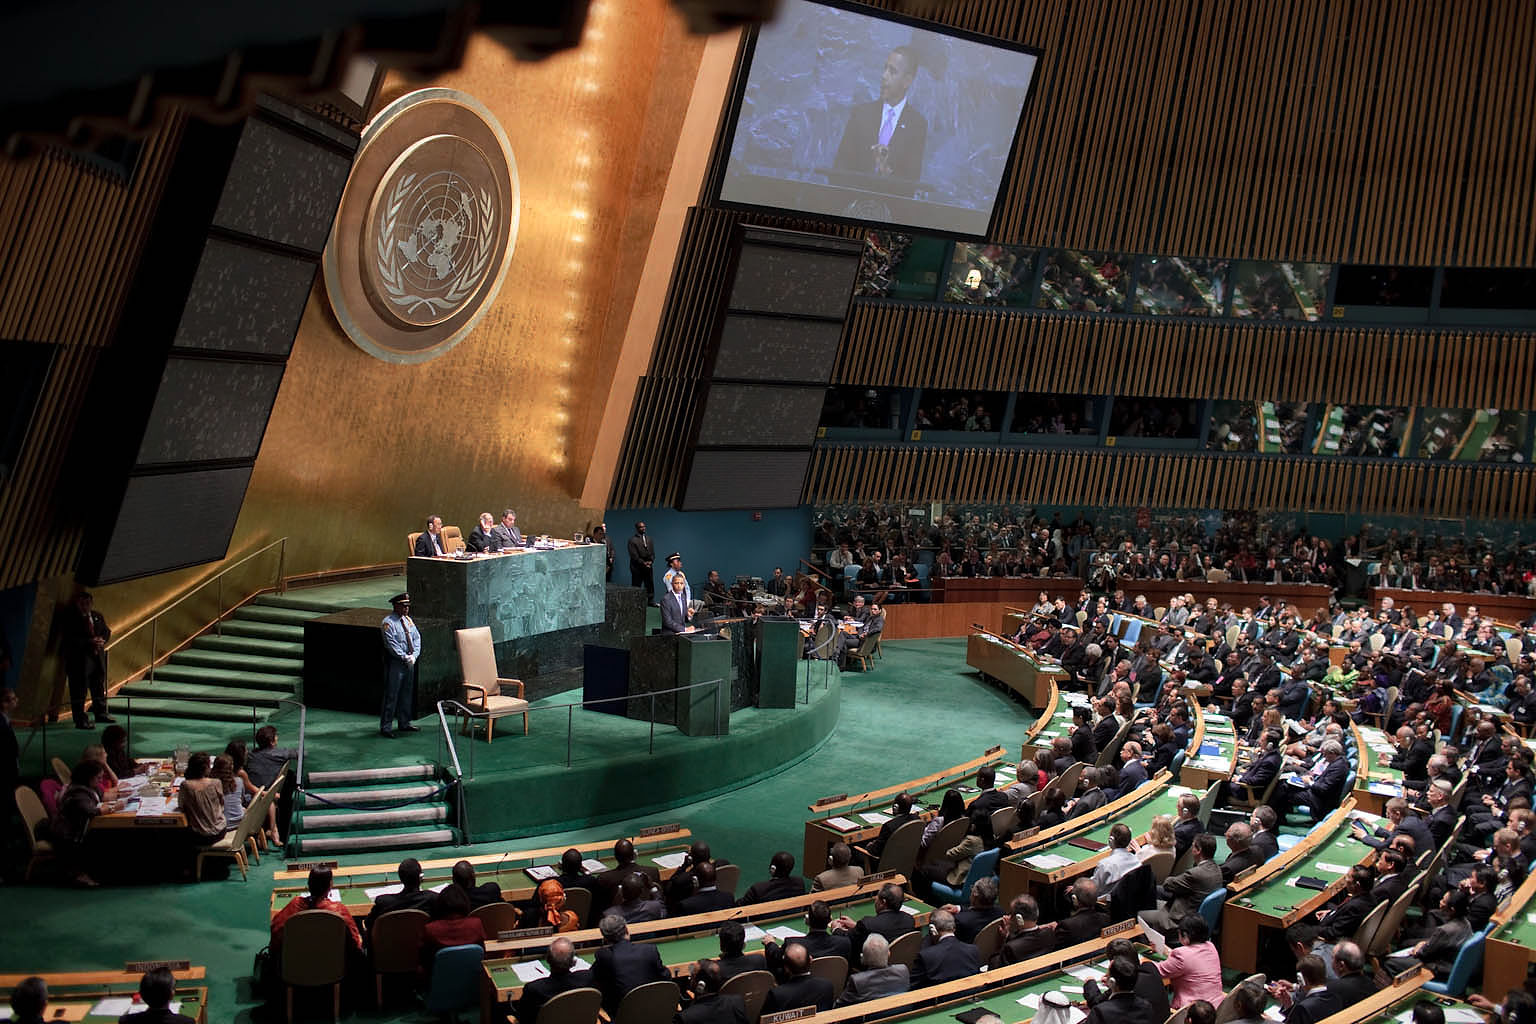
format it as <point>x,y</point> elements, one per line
<point>919,711</point>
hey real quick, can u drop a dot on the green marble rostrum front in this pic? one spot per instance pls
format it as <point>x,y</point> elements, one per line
<point>525,594</point>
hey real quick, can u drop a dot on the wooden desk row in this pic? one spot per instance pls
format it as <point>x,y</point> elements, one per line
<point>79,995</point>
<point>1032,678</point>
<point>1511,947</point>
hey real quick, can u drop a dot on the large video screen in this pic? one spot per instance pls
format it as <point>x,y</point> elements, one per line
<point>865,117</point>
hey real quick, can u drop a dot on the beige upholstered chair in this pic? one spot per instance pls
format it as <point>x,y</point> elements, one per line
<point>483,690</point>
<point>453,540</point>
<point>32,815</point>
<point>496,917</point>
<point>395,941</point>
<point>410,543</point>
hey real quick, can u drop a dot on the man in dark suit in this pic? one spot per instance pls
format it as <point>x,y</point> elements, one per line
<point>1083,747</point>
<point>1123,1005</point>
<point>156,989</point>
<point>802,988</point>
<point>781,884</point>
<point>991,798</point>
<point>1352,984</point>
<point>734,959</point>
<point>888,920</point>
<point>637,904</point>
<point>1094,797</point>
<point>1132,772</point>
<point>1242,857</point>
<point>621,965</point>
<point>410,897</point>
<point>708,1005</point>
<point>1442,816</point>
<point>561,957</point>
<point>574,875</point>
<point>1311,1001</point>
<point>1325,791</point>
<point>1108,726</point>
<point>1392,879</point>
<point>83,635</point>
<point>886,137</point>
<point>505,533</point>
<point>708,897</point>
<point>608,882</point>
<point>1149,983</point>
<point>817,938</point>
<point>1264,843</point>
<point>1023,938</point>
<point>1486,757</point>
<point>1086,920</point>
<point>479,895</point>
<point>1185,892</point>
<point>642,562</point>
<point>879,977</point>
<point>1403,824</point>
<point>676,616</point>
<point>1258,775</point>
<point>1342,920</point>
<point>430,543</point>
<point>901,813</point>
<point>1412,757</point>
<point>982,911</point>
<point>946,958</point>
<point>482,538</point>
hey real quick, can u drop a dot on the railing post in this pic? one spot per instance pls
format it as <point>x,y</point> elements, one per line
<point>570,725</point>
<point>717,708</point>
<point>154,634</point>
<point>253,724</point>
<point>282,559</point>
<point>653,724</point>
<point>218,608</point>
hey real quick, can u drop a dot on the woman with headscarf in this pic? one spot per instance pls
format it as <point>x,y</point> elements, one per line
<point>551,900</point>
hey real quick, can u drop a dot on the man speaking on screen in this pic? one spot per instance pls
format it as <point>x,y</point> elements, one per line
<point>885,138</point>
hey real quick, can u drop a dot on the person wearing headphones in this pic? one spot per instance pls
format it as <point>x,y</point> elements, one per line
<point>707,1004</point>
<point>430,543</point>
<point>561,957</point>
<point>1086,920</point>
<point>1023,938</point>
<point>1122,1005</point>
<point>945,957</point>
<point>840,869</point>
<point>781,884</point>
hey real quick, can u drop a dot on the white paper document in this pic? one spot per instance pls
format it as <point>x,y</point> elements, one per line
<point>533,970</point>
<point>176,1007</point>
<point>1154,937</point>
<point>1337,869</point>
<point>439,887</point>
<point>383,890</point>
<point>541,872</point>
<point>670,861</point>
<point>152,806</point>
<point>1032,1001</point>
<point>1462,1015</point>
<point>843,824</point>
<point>875,817</point>
<point>1087,972</point>
<point>116,1006</point>
<point>594,866</point>
<point>1048,861</point>
<point>754,933</point>
<point>784,933</point>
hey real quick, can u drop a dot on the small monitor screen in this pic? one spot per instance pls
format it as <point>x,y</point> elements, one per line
<point>867,118</point>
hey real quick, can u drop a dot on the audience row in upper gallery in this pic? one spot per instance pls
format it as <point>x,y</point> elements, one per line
<point>1136,544</point>
<point>1285,428</point>
<point>923,269</point>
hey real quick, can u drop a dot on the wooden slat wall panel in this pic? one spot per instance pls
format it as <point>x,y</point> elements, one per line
<point>69,247</point>
<point>1390,131</point>
<point>893,345</point>
<point>895,473</point>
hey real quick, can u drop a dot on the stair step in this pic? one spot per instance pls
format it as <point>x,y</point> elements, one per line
<point>212,643</point>
<point>269,613</point>
<point>160,707</point>
<point>370,776</point>
<point>312,798</point>
<point>308,604</point>
<point>266,630</point>
<point>237,662</point>
<point>379,839</point>
<point>215,694</point>
<point>309,822</point>
<point>193,672</point>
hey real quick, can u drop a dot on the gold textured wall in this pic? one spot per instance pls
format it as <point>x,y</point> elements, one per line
<point>358,451</point>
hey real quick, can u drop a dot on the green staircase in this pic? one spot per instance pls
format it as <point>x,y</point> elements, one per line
<point>370,809</point>
<point>242,671</point>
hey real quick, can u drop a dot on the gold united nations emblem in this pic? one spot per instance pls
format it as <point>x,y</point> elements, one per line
<point>426,226</point>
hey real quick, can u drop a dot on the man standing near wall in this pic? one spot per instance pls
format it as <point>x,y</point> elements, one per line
<point>642,556</point>
<point>402,646</point>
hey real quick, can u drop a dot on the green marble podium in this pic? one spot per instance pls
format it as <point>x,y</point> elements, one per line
<point>531,600</point>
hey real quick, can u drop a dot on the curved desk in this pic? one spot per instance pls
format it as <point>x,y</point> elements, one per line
<point>1377,781</point>
<point>1034,679</point>
<point>1511,946</point>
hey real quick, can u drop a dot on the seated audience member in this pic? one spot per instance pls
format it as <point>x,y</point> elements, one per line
<point>1184,892</point>
<point>1201,1012</point>
<point>201,799</point>
<point>951,808</point>
<point>1351,983</point>
<point>802,988</point>
<point>952,865</point>
<point>637,903</point>
<point>28,1000</point>
<point>619,965</point>
<point>550,900</point>
<point>901,813</point>
<point>1438,951</point>
<point>477,895</point>
<point>1519,1007</point>
<point>991,798</point>
<point>1053,809</point>
<point>78,804</point>
<point>561,958</point>
<point>268,758</point>
<point>1342,921</point>
<point>708,896</point>
<point>1094,797</point>
<point>1023,938</point>
<point>233,787</point>
<point>1243,856</point>
<point>1086,919</point>
<point>982,911</point>
<point>317,898</point>
<point>1159,838</point>
<point>888,920</point>
<point>1132,771</point>
<point>684,881</point>
<point>410,897</point>
<point>1308,1001</point>
<point>1249,1000</point>
<point>1149,983</point>
<point>781,884</point>
<point>1121,859</point>
<point>879,978</point>
<point>840,869</point>
<point>156,990</point>
<point>734,959</point>
<point>945,958</point>
<point>817,938</point>
<point>1263,842</point>
<point>1187,825</point>
<point>452,926</point>
<point>1193,967</point>
<point>1121,1004</point>
<point>708,1005</point>
<point>482,538</point>
<point>1258,775</point>
<point>114,740</point>
<point>1402,823</point>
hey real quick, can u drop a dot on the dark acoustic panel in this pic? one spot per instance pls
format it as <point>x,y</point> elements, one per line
<point>729,480</point>
<point>775,348</point>
<point>172,520</point>
<point>777,279</point>
<point>757,414</point>
<point>283,187</point>
<point>208,410</point>
<point>245,300</point>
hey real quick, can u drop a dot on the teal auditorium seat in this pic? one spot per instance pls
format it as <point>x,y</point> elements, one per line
<point>983,865</point>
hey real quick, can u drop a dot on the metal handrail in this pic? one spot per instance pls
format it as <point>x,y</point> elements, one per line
<point>570,710</point>
<point>461,802</point>
<point>218,578</point>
